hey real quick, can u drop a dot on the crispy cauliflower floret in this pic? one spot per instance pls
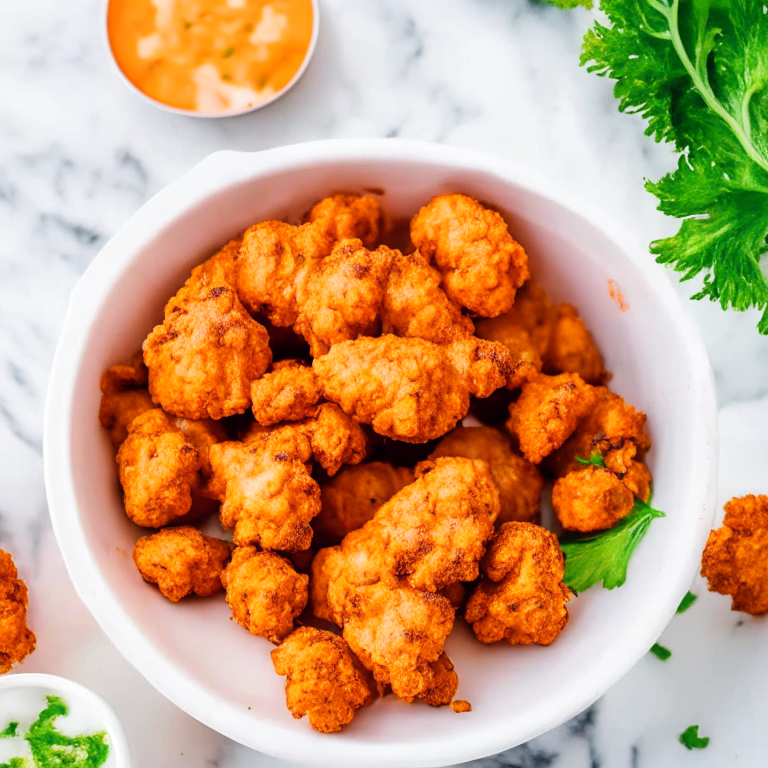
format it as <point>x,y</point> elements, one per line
<point>336,439</point>
<point>535,314</point>
<point>484,365</point>
<point>124,396</point>
<point>519,482</point>
<point>354,495</point>
<point>526,361</point>
<point>182,561</point>
<point>638,479</point>
<point>204,357</point>
<point>341,217</point>
<point>444,684</point>
<point>547,412</point>
<point>522,598</point>
<point>264,592</point>
<point>735,560</point>
<point>571,348</point>
<point>324,680</point>
<point>481,264</point>
<point>274,266</point>
<point>17,641</point>
<point>159,469</point>
<point>344,296</point>
<point>591,499</point>
<point>219,269</point>
<point>289,392</point>
<point>415,305</point>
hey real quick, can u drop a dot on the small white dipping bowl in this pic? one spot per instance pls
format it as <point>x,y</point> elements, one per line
<point>218,672</point>
<point>89,711</point>
<point>229,113</point>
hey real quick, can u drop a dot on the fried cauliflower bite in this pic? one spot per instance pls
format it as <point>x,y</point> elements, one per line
<point>219,269</point>
<point>268,495</point>
<point>159,468</point>
<point>735,560</point>
<point>341,217</point>
<point>344,296</point>
<point>547,412</point>
<point>124,396</point>
<point>274,265</point>
<point>204,357</point>
<point>397,632</point>
<point>444,684</point>
<point>324,680</point>
<point>526,361</point>
<point>354,495</point>
<point>182,561</point>
<point>17,641</point>
<point>522,598</point>
<point>481,264</point>
<point>611,428</point>
<point>638,479</point>
<point>336,439</point>
<point>591,499</point>
<point>484,365</point>
<point>534,312</point>
<point>519,482</point>
<point>264,592</point>
<point>289,392</point>
<point>571,348</point>
<point>416,306</point>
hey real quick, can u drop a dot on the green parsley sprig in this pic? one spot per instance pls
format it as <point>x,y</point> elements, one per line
<point>690,738</point>
<point>605,556</point>
<point>660,651</point>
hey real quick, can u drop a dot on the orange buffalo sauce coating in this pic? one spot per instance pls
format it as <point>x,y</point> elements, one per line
<point>210,55</point>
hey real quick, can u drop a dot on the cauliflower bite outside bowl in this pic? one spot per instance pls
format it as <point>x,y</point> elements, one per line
<point>222,674</point>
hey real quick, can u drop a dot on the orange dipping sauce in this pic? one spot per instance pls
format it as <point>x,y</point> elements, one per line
<point>210,56</point>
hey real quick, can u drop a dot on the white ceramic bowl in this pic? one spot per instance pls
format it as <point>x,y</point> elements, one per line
<point>219,673</point>
<point>83,704</point>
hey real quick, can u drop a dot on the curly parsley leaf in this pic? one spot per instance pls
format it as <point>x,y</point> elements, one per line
<point>570,3</point>
<point>9,731</point>
<point>596,460</point>
<point>686,602</point>
<point>697,71</point>
<point>605,556</point>
<point>690,738</point>
<point>660,651</point>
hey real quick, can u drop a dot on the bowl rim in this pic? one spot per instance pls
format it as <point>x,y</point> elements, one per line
<point>226,169</point>
<point>212,115</point>
<point>112,725</point>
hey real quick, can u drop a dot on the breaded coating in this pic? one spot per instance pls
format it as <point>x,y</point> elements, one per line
<point>444,685</point>
<point>159,468</point>
<point>344,296</point>
<point>522,598</point>
<point>571,348</point>
<point>638,479</point>
<point>341,217</point>
<point>324,680</point>
<point>268,496</point>
<point>124,396</point>
<point>484,365</point>
<point>591,499</point>
<point>460,705</point>
<point>397,632</point>
<point>456,594</point>
<point>519,482</point>
<point>203,434</point>
<point>415,305</point>
<point>204,357</point>
<point>610,425</point>
<point>219,269</point>
<point>735,560</point>
<point>353,497</point>
<point>17,641</point>
<point>274,265</point>
<point>534,312</point>
<point>526,361</point>
<point>289,392</point>
<point>433,532</point>
<point>264,592</point>
<point>481,264</point>
<point>547,412</point>
<point>182,561</point>
<point>336,439</point>
<point>406,389</point>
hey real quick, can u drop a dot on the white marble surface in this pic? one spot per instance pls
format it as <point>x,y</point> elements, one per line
<point>79,154</point>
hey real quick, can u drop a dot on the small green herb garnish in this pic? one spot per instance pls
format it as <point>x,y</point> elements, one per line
<point>686,602</point>
<point>187,24</point>
<point>226,77</point>
<point>16,762</point>
<point>595,460</point>
<point>660,651</point>
<point>228,52</point>
<point>10,731</point>
<point>605,556</point>
<point>690,738</point>
<point>571,3</point>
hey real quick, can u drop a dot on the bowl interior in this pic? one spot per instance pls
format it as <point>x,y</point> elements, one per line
<point>222,675</point>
